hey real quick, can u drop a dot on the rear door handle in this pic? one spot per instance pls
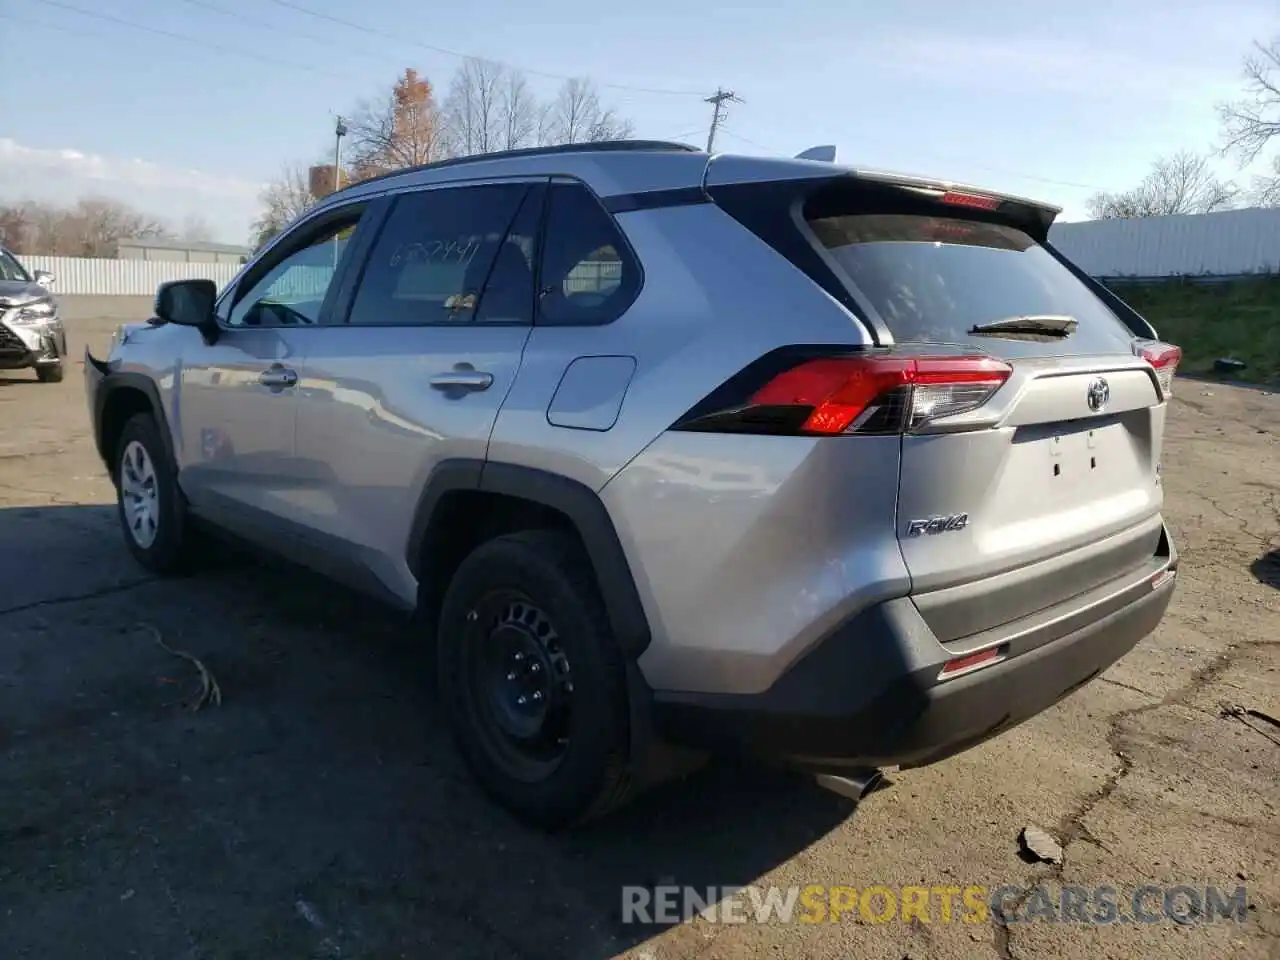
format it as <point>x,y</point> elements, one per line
<point>462,379</point>
<point>277,377</point>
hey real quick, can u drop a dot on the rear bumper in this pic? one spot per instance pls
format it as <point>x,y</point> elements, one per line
<point>871,694</point>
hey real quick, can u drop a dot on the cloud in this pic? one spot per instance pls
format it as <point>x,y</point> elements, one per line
<point>63,175</point>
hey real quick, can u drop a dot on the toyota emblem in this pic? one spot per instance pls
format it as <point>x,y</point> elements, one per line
<point>1099,394</point>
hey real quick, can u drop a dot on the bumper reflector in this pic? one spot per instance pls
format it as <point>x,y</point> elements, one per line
<point>971,661</point>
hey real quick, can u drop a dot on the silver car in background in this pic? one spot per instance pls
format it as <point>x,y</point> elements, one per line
<point>31,332</point>
<point>826,467</point>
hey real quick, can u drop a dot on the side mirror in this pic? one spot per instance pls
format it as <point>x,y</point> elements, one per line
<point>44,278</point>
<point>189,303</point>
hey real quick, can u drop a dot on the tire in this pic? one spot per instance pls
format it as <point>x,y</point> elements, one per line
<point>538,582</point>
<point>49,373</point>
<point>166,551</point>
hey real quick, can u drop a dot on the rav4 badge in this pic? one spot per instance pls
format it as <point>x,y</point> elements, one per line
<point>957,521</point>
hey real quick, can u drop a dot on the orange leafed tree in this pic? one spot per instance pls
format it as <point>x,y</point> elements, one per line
<point>401,130</point>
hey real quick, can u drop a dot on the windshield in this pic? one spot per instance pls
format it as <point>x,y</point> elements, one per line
<point>11,270</point>
<point>932,279</point>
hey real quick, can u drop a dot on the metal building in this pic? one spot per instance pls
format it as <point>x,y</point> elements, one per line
<point>181,251</point>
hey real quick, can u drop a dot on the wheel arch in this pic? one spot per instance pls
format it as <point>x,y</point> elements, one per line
<point>119,397</point>
<point>465,501</point>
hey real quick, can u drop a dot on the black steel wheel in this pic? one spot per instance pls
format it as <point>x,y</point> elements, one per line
<point>519,682</point>
<point>532,681</point>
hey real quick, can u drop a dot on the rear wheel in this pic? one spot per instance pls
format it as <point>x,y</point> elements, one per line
<point>532,681</point>
<point>150,505</point>
<point>49,373</point>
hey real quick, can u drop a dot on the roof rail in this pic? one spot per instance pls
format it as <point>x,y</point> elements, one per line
<point>597,146</point>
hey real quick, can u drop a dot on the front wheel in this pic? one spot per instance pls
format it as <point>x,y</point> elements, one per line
<point>150,505</point>
<point>532,681</point>
<point>49,373</point>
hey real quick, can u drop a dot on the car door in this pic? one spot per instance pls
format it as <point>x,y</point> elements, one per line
<point>425,344</point>
<point>237,397</point>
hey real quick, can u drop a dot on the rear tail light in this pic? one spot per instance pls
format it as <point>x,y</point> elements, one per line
<point>1164,358</point>
<point>833,395</point>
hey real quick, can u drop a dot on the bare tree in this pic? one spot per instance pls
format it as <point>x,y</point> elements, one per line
<point>283,201</point>
<point>473,110</point>
<point>577,116</point>
<point>16,227</point>
<point>1265,191</point>
<point>402,130</point>
<point>1250,123</point>
<point>92,227</point>
<point>1182,183</point>
<point>518,112</point>
<point>195,228</point>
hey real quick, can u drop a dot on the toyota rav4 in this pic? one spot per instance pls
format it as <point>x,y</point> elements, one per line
<point>825,467</point>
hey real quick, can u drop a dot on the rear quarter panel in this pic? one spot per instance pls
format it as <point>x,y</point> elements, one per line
<point>714,299</point>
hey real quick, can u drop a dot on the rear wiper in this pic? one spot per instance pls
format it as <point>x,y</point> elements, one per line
<point>1043,325</point>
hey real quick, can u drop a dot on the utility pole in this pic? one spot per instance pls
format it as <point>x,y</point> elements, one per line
<point>339,131</point>
<point>718,99</point>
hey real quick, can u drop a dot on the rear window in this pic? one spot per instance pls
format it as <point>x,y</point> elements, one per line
<point>933,278</point>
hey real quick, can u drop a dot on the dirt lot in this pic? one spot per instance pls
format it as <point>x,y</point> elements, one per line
<point>320,811</point>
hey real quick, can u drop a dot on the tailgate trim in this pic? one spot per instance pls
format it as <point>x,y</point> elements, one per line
<point>1077,612</point>
<point>965,609</point>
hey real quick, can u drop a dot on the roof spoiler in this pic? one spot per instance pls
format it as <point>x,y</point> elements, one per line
<point>1034,214</point>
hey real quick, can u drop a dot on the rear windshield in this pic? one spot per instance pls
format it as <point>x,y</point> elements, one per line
<point>932,279</point>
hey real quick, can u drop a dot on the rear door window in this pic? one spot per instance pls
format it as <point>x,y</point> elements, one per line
<point>934,278</point>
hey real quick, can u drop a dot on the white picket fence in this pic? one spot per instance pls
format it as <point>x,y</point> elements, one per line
<point>76,276</point>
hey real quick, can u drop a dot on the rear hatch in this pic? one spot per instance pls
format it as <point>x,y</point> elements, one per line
<point>1031,441</point>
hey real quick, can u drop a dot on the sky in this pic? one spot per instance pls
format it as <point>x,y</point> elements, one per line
<point>186,108</point>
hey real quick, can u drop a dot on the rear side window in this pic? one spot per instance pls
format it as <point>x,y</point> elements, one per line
<point>933,278</point>
<point>588,273</point>
<point>434,259</point>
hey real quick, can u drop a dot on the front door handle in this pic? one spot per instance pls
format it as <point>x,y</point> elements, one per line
<point>462,378</point>
<point>277,377</point>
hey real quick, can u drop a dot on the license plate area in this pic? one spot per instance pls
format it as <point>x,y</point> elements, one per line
<point>1061,465</point>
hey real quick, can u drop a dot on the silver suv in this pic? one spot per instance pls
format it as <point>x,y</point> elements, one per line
<point>31,332</point>
<point>826,467</point>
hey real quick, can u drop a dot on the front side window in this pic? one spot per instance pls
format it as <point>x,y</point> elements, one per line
<point>588,274</point>
<point>292,290</point>
<point>452,255</point>
<point>11,269</point>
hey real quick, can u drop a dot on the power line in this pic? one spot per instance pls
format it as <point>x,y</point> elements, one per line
<point>749,142</point>
<point>209,44</point>
<point>681,136</point>
<point>352,25</point>
<point>237,15</point>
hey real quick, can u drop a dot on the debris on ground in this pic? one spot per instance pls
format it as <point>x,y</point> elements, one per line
<point>1236,711</point>
<point>210,693</point>
<point>309,913</point>
<point>1039,844</point>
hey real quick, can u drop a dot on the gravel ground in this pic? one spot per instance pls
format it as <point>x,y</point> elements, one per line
<point>320,810</point>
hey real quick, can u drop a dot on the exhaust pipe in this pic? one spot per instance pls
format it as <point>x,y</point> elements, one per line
<point>852,786</point>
